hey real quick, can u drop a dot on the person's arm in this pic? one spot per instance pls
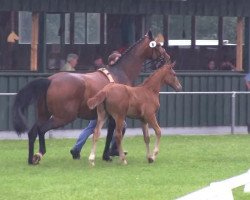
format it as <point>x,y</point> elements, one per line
<point>248,85</point>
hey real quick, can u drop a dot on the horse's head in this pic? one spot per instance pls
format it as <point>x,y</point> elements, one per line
<point>170,77</point>
<point>154,48</point>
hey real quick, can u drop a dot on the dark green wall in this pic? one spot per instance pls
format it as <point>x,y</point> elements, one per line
<point>176,110</point>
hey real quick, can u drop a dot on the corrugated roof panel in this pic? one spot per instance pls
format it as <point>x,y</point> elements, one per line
<point>175,7</point>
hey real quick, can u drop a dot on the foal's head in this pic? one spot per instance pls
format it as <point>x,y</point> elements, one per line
<point>170,77</point>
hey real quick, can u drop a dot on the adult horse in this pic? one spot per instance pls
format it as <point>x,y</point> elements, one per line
<point>62,97</point>
<point>141,102</point>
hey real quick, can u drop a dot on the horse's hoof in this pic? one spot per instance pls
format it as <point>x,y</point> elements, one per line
<point>150,160</point>
<point>92,162</point>
<point>124,162</point>
<point>36,158</point>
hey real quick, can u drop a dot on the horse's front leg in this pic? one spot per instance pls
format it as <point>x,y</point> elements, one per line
<point>154,124</point>
<point>118,138</point>
<point>100,122</point>
<point>147,141</point>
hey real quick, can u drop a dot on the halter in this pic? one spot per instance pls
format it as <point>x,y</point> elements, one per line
<point>157,63</point>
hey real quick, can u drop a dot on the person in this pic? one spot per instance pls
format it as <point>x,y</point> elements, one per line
<point>98,63</point>
<point>247,82</point>
<point>72,60</point>
<point>211,65</point>
<point>227,64</point>
<point>76,149</point>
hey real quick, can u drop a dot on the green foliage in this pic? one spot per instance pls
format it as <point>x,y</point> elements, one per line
<point>184,164</point>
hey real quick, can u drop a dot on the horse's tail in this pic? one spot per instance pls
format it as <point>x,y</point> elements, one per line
<point>97,99</point>
<point>29,94</point>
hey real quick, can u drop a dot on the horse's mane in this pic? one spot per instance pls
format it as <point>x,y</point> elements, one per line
<point>127,51</point>
<point>152,75</point>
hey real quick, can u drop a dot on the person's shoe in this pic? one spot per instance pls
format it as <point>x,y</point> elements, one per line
<point>116,153</point>
<point>106,157</point>
<point>75,154</point>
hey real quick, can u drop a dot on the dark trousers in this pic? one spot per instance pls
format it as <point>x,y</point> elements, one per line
<point>111,129</point>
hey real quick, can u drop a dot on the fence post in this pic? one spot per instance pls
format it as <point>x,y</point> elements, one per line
<point>233,112</point>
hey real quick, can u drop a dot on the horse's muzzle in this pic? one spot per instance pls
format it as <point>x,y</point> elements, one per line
<point>178,88</point>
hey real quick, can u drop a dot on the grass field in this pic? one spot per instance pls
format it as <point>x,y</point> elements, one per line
<point>185,164</point>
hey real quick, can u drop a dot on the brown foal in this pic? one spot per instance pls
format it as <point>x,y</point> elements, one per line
<point>141,102</point>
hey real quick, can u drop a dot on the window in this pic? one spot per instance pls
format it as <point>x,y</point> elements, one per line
<point>87,28</point>
<point>93,28</point>
<point>206,30</point>
<point>53,28</point>
<point>179,30</point>
<point>24,27</point>
<point>229,29</point>
<point>67,28</point>
<point>105,28</point>
<point>79,26</point>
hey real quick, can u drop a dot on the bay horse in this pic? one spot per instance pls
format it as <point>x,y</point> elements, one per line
<point>62,97</point>
<point>141,102</point>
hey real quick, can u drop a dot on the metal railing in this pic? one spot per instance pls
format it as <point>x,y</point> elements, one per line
<point>233,100</point>
<point>232,93</point>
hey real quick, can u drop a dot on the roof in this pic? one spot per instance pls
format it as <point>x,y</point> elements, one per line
<point>174,7</point>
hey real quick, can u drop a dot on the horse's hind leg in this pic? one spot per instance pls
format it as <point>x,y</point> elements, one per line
<point>147,141</point>
<point>42,128</point>
<point>42,119</point>
<point>118,138</point>
<point>100,122</point>
<point>153,123</point>
<point>32,134</point>
<point>42,147</point>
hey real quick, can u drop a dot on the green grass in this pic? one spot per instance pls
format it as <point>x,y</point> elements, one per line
<point>184,164</point>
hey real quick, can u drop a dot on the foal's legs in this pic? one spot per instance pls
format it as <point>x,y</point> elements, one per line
<point>118,137</point>
<point>100,122</point>
<point>154,124</point>
<point>147,141</point>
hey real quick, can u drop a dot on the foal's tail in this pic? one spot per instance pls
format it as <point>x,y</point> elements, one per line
<point>97,99</point>
<point>29,94</point>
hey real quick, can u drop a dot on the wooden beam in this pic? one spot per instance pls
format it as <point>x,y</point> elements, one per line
<point>239,43</point>
<point>34,41</point>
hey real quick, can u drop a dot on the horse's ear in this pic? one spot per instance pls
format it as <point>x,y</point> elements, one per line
<point>159,39</point>
<point>150,35</point>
